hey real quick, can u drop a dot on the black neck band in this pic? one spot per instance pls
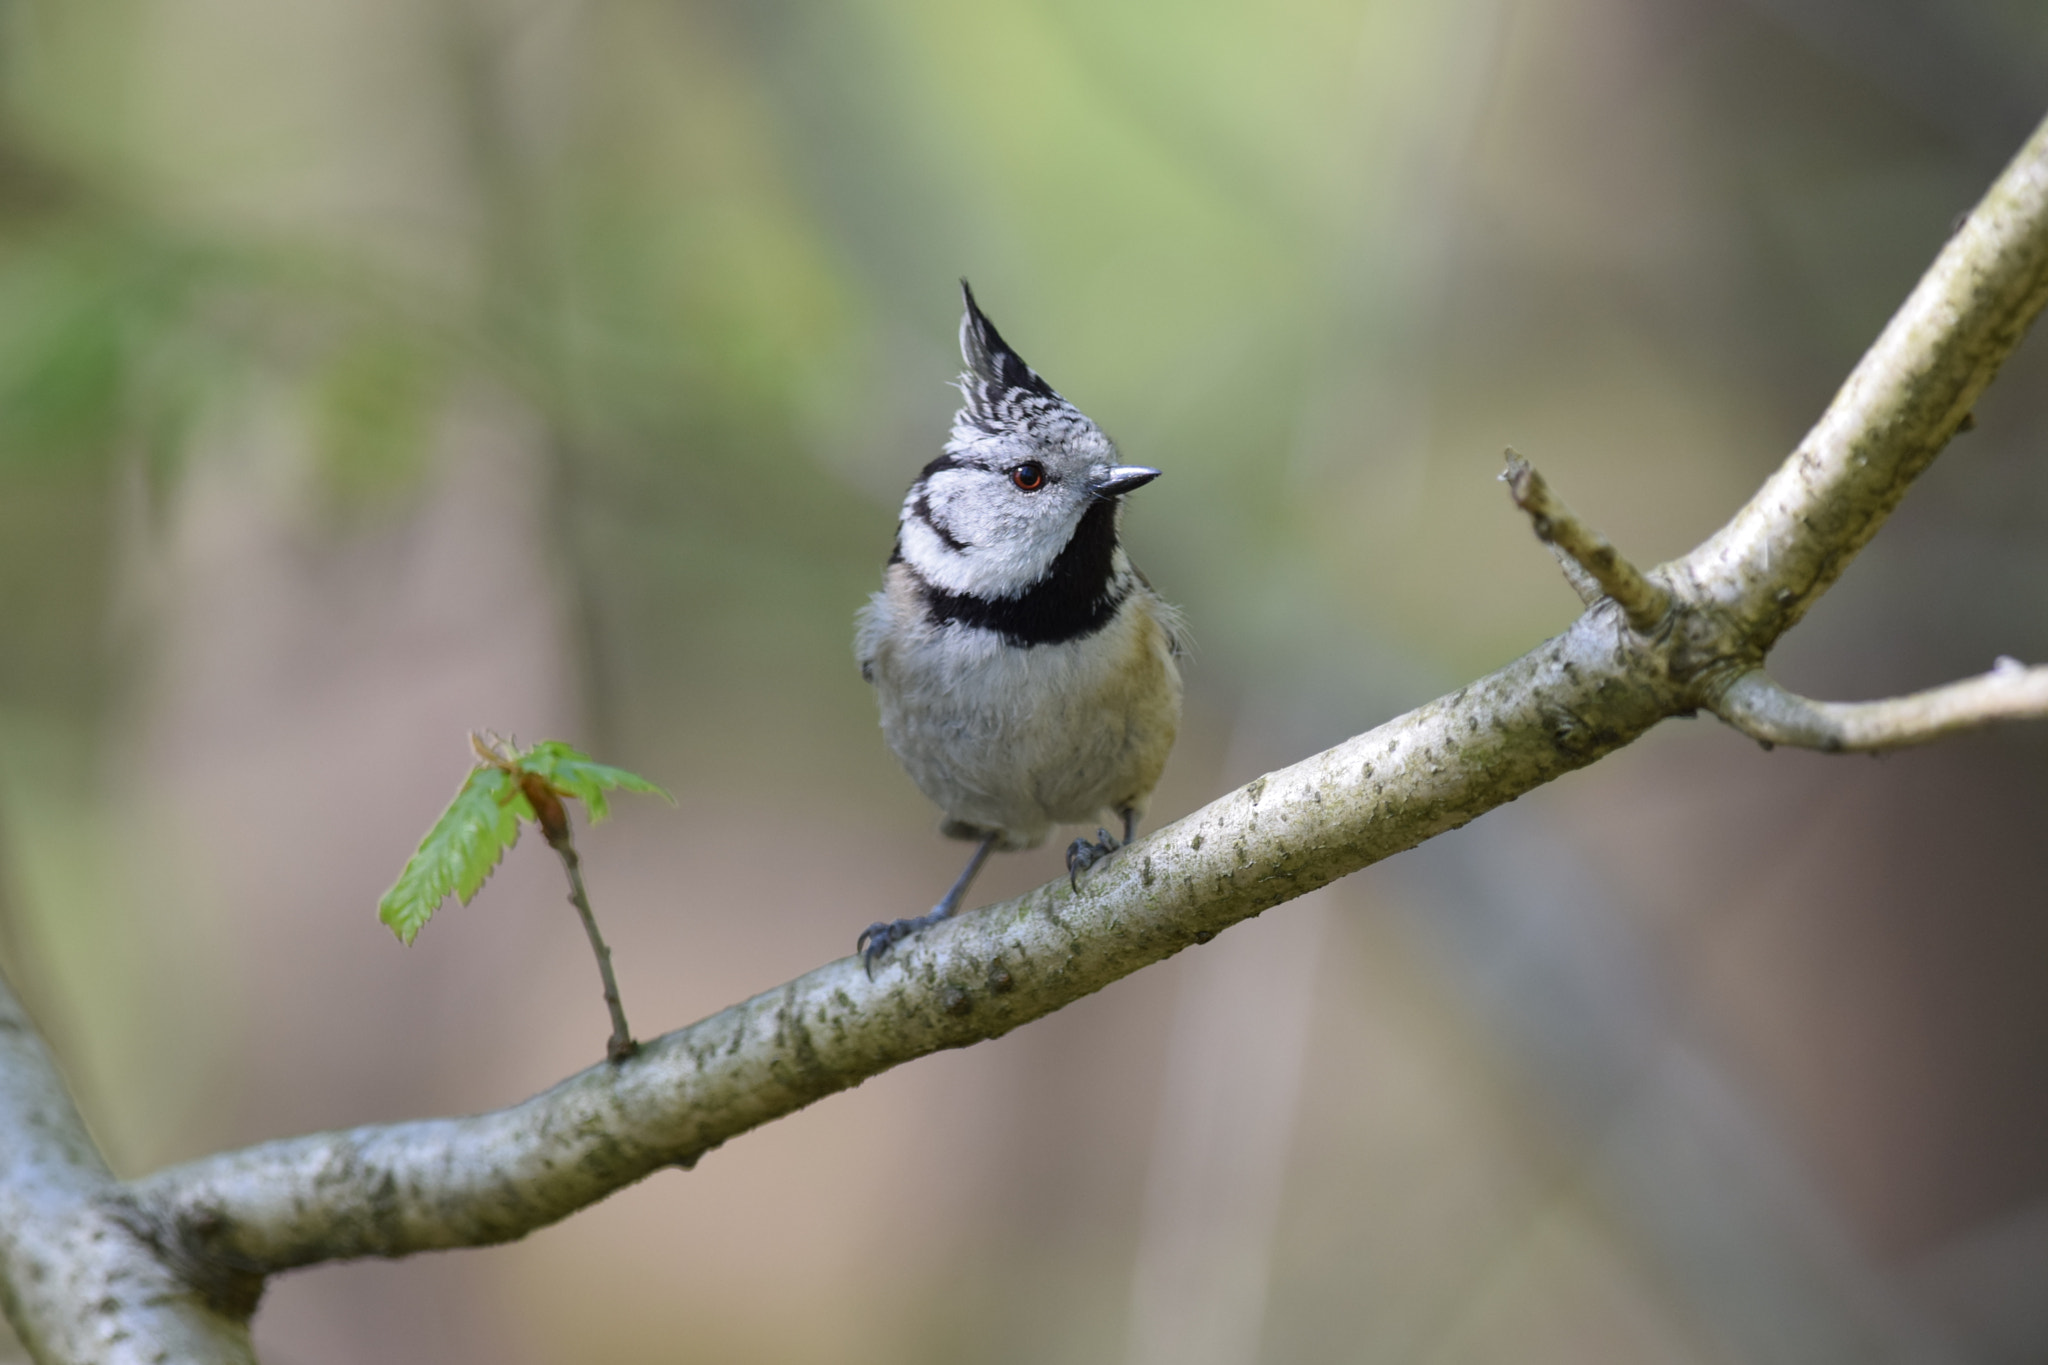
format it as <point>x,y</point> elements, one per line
<point>1077,596</point>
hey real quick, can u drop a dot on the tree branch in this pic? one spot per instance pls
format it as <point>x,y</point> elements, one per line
<point>1644,603</point>
<point>79,1281</point>
<point>1687,635</point>
<point>1908,395</point>
<point>1765,711</point>
<point>393,1189</point>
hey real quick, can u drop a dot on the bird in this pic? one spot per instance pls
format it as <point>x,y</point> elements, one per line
<point>1027,674</point>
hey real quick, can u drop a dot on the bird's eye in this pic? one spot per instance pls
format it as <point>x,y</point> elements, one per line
<point>1029,476</point>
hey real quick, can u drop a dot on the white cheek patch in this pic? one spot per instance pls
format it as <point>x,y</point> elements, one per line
<point>1001,549</point>
<point>1012,564</point>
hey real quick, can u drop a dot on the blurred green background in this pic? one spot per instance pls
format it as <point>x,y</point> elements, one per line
<point>372,370</point>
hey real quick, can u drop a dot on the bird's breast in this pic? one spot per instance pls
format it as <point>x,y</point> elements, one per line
<point>1014,737</point>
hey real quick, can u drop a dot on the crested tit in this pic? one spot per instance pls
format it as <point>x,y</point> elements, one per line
<point>1026,672</point>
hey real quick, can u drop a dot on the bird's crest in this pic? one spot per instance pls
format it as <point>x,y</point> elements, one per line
<point>1005,397</point>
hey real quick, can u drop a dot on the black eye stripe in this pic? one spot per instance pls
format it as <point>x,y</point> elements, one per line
<point>921,508</point>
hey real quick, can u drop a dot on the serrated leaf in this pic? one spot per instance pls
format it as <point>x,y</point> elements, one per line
<point>469,840</point>
<point>576,774</point>
<point>459,852</point>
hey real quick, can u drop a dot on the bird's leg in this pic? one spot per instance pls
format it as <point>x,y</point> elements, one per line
<point>1082,855</point>
<point>882,935</point>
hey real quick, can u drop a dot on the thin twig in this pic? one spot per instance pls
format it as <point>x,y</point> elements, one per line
<point>1766,712</point>
<point>621,1045</point>
<point>1583,583</point>
<point>1644,603</point>
<point>553,819</point>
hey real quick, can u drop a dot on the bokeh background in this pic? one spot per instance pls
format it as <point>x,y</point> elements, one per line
<point>372,370</point>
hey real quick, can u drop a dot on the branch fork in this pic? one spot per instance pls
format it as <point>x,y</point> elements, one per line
<point>1747,698</point>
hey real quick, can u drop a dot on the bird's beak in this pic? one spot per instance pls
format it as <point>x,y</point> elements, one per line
<point>1122,479</point>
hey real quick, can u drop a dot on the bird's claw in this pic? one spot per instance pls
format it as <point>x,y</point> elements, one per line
<point>1082,855</point>
<point>878,938</point>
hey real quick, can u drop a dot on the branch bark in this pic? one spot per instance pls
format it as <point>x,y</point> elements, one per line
<point>394,1189</point>
<point>1765,711</point>
<point>1911,392</point>
<point>80,1276</point>
<point>1687,635</point>
<point>1603,571</point>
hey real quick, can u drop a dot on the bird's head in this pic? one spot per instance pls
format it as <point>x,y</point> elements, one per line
<point>1024,470</point>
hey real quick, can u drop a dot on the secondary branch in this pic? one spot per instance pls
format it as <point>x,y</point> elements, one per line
<point>1765,711</point>
<point>1644,603</point>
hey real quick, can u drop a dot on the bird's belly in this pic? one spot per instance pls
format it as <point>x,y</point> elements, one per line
<point>1018,740</point>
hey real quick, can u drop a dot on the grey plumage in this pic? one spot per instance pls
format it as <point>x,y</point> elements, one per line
<point>1027,673</point>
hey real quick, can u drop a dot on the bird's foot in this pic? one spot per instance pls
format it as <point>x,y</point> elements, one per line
<point>1082,855</point>
<point>878,938</point>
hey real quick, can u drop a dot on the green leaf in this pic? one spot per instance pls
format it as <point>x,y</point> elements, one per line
<point>576,774</point>
<point>470,838</point>
<point>459,852</point>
